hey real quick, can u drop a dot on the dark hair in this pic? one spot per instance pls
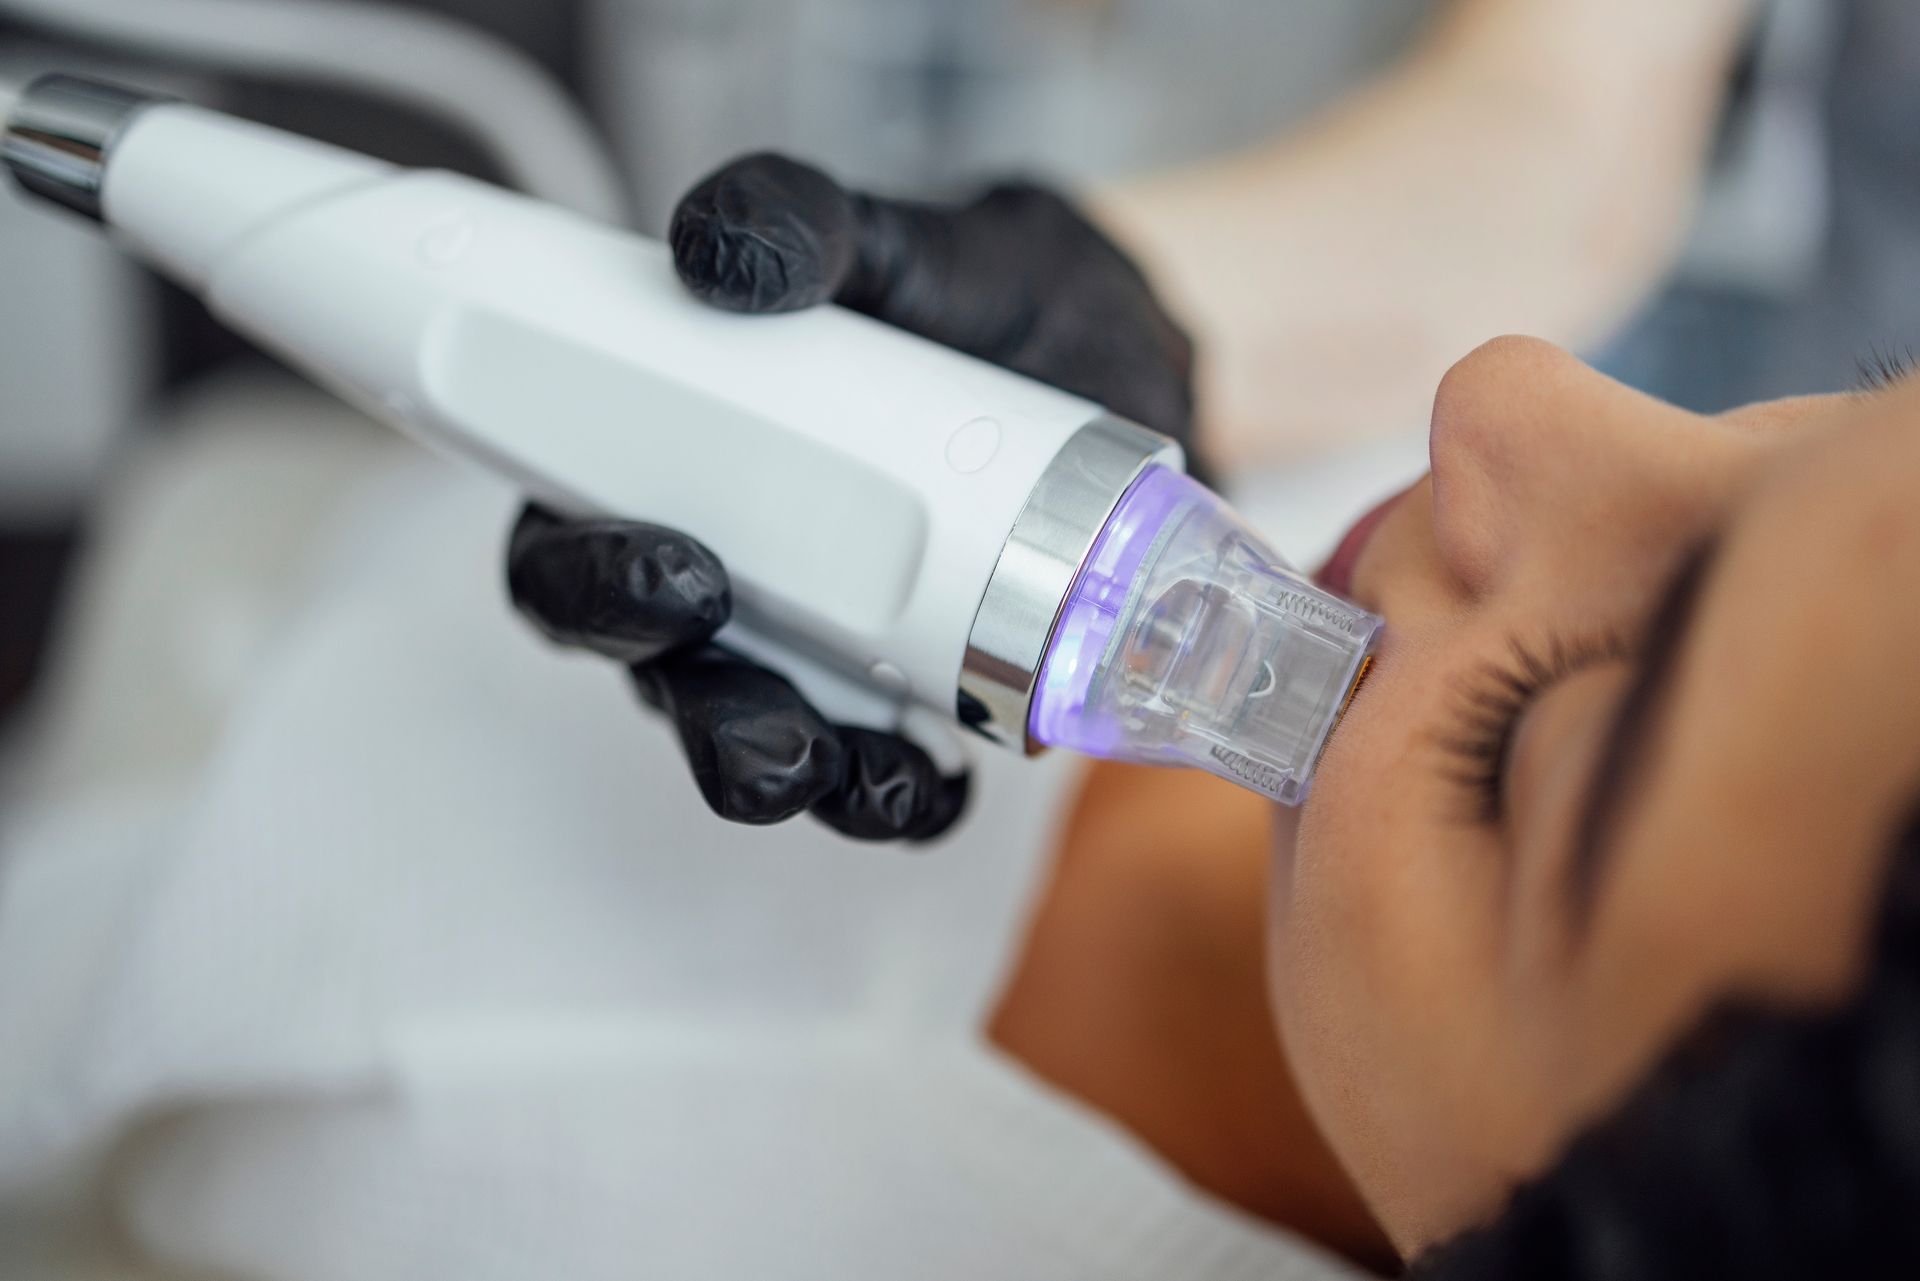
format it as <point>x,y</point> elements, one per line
<point>1769,1145</point>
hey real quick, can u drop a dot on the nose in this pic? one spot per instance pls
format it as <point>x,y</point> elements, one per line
<point>1542,465</point>
<point>1547,478</point>
<point>1499,419</point>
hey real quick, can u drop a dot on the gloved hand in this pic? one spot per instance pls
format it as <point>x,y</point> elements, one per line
<point>1017,277</point>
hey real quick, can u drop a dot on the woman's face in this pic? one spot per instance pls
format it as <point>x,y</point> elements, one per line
<point>1647,712</point>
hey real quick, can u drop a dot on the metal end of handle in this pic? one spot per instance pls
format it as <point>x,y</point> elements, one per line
<point>1050,540</point>
<point>60,134</point>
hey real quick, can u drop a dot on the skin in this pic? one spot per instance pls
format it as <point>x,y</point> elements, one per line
<point>1141,991</point>
<point>1451,1008</point>
<point>1531,165</point>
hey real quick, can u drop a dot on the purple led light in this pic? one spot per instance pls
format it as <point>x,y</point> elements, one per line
<point>1060,716</point>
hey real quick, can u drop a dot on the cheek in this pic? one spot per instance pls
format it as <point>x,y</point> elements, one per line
<point>1385,946</point>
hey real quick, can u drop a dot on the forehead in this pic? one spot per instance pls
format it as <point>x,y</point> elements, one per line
<point>1789,744</point>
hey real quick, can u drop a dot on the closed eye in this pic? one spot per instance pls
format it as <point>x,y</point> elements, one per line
<point>1488,706</point>
<point>1883,368</point>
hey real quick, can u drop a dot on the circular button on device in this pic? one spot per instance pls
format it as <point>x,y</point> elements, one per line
<point>446,244</point>
<point>890,680</point>
<point>973,446</point>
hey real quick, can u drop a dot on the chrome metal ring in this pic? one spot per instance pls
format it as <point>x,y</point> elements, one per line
<point>60,134</point>
<point>1055,531</point>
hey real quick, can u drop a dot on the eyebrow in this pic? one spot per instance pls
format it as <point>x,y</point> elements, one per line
<point>1624,749</point>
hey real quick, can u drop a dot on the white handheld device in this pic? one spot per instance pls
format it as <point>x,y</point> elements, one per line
<point>903,525</point>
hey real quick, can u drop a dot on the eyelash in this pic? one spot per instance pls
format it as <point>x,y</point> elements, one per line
<point>1489,703</point>
<point>1882,367</point>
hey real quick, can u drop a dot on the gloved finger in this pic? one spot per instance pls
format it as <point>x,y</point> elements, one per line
<point>759,752</point>
<point>626,590</point>
<point>764,234</point>
<point>770,234</point>
<point>891,791</point>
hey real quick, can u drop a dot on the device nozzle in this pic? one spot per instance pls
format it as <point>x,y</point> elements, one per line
<point>1186,640</point>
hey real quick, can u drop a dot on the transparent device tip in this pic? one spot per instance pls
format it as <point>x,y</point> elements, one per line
<point>1185,640</point>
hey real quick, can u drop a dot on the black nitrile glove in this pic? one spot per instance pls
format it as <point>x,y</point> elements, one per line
<point>1019,278</point>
